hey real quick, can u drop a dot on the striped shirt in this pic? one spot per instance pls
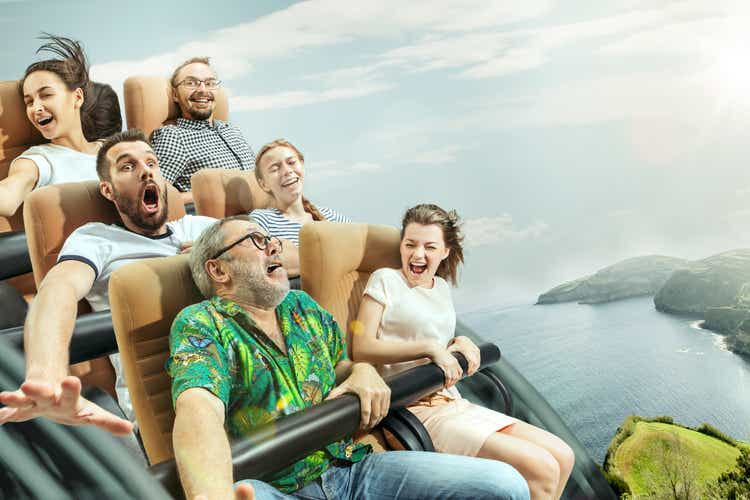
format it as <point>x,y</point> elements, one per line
<point>275,224</point>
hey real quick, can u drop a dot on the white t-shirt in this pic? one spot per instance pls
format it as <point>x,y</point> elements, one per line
<point>412,313</point>
<point>108,247</point>
<point>58,164</point>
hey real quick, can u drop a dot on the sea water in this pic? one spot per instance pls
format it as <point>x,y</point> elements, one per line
<point>596,364</point>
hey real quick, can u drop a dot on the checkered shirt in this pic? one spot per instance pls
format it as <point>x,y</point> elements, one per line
<point>192,145</point>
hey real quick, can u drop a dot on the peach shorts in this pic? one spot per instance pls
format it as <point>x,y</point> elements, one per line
<point>458,426</point>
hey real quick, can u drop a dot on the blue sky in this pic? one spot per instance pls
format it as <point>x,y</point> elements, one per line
<point>569,134</point>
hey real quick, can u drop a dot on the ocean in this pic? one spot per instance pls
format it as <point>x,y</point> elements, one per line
<point>596,364</point>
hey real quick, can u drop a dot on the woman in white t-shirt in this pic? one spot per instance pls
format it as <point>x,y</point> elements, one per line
<point>280,171</point>
<point>407,318</point>
<point>71,112</point>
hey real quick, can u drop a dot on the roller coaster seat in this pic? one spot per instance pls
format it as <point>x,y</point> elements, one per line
<point>51,214</point>
<point>336,261</point>
<point>222,193</point>
<point>17,134</point>
<point>145,297</point>
<point>149,104</point>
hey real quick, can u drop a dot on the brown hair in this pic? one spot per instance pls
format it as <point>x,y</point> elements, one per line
<point>73,69</point>
<point>283,143</point>
<point>428,214</point>
<point>100,113</point>
<point>203,60</point>
<point>102,163</point>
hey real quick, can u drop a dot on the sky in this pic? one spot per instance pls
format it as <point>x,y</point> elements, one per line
<point>568,135</point>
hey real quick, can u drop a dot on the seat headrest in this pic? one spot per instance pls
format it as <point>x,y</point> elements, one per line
<point>220,193</point>
<point>336,261</point>
<point>142,322</point>
<point>17,134</point>
<point>149,104</point>
<point>52,213</point>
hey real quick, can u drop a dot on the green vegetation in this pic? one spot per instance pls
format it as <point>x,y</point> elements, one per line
<point>656,458</point>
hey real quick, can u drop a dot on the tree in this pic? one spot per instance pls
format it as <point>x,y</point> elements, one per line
<point>735,484</point>
<point>674,477</point>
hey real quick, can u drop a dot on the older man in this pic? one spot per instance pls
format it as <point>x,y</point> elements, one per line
<point>255,351</point>
<point>197,140</point>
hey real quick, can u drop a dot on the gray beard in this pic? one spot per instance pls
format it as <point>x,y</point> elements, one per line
<point>253,288</point>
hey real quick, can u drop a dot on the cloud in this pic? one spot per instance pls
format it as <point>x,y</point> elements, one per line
<point>436,156</point>
<point>290,99</point>
<point>485,231</point>
<point>334,168</point>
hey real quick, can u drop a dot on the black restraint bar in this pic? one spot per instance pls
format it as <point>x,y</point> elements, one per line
<point>93,336</point>
<point>274,446</point>
<point>14,255</point>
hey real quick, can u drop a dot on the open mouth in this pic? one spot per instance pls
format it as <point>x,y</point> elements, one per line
<point>271,268</point>
<point>418,269</point>
<point>290,182</point>
<point>151,198</point>
<point>44,121</point>
<point>201,100</point>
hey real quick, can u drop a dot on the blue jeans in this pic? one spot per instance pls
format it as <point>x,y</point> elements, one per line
<point>410,475</point>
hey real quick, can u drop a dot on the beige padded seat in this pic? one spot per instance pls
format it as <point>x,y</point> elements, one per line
<point>336,261</point>
<point>149,104</point>
<point>17,134</point>
<point>222,193</point>
<point>51,214</point>
<point>145,298</point>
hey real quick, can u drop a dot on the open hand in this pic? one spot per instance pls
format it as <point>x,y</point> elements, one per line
<point>61,403</point>
<point>374,394</point>
<point>469,349</point>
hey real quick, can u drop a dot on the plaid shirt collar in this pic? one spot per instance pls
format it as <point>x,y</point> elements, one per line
<point>199,124</point>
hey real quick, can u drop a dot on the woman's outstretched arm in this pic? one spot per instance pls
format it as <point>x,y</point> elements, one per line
<point>21,179</point>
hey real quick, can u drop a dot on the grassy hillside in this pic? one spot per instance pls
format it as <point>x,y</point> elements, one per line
<point>640,457</point>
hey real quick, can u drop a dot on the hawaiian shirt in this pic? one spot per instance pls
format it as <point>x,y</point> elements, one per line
<point>217,346</point>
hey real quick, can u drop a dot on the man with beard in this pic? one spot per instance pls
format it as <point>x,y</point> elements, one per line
<point>256,351</point>
<point>197,141</point>
<point>130,178</point>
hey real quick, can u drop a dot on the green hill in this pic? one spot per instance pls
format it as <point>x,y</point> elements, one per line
<point>645,453</point>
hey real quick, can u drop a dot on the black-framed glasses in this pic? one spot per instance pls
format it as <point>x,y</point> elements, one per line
<point>194,83</point>
<point>260,240</point>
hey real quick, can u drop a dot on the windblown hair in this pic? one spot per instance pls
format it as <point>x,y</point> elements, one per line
<point>100,113</point>
<point>73,68</point>
<point>210,241</point>
<point>449,223</point>
<point>283,143</point>
<point>102,163</point>
<point>203,60</point>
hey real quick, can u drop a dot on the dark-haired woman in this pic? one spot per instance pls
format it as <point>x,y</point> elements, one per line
<point>280,171</point>
<point>71,113</point>
<point>407,318</point>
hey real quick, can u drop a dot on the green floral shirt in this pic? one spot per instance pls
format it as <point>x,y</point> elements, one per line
<point>217,346</point>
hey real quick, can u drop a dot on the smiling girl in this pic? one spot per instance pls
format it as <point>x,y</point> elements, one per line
<point>70,112</point>
<point>407,318</point>
<point>280,171</point>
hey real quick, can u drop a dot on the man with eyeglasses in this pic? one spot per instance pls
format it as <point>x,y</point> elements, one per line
<point>253,352</point>
<point>197,140</point>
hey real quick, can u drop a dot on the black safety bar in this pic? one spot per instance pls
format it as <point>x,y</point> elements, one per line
<point>93,336</point>
<point>14,255</point>
<point>278,444</point>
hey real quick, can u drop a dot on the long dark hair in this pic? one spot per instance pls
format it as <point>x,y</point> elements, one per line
<point>449,223</point>
<point>100,113</point>
<point>279,143</point>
